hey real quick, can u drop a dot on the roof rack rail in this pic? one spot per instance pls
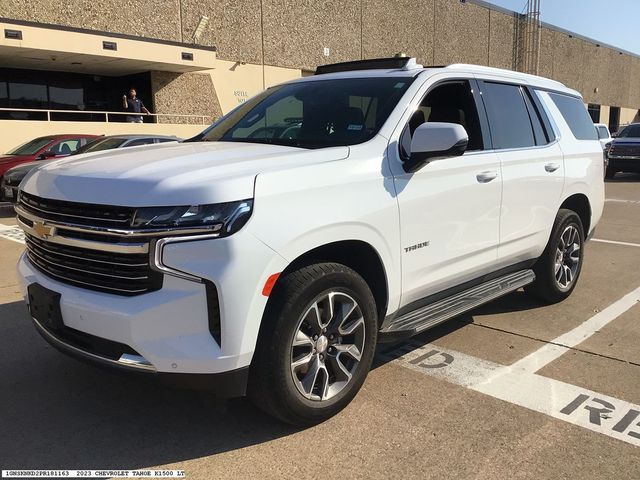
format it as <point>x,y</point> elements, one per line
<point>404,63</point>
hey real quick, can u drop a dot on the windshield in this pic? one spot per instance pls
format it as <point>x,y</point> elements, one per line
<point>314,114</point>
<point>99,145</point>
<point>630,131</point>
<point>32,147</point>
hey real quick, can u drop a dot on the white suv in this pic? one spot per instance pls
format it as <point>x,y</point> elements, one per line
<point>272,252</point>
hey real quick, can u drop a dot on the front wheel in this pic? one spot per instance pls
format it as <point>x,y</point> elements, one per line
<point>316,344</point>
<point>558,268</point>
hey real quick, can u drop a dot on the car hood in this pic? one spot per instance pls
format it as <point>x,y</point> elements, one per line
<point>5,159</point>
<point>169,174</point>
<point>626,141</point>
<point>24,168</point>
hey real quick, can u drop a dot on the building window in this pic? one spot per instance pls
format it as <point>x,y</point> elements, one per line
<point>614,119</point>
<point>594,112</point>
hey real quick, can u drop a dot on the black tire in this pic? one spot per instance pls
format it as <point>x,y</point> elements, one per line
<point>546,287</point>
<point>272,387</point>
<point>609,173</point>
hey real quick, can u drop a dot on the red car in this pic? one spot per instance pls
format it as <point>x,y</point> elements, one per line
<point>41,148</point>
<point>52,146</point>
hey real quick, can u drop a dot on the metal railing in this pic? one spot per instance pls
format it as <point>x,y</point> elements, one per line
<point>46,115</point>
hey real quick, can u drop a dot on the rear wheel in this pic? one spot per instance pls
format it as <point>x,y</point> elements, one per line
<point>316,344</point>
<point>558,268</point>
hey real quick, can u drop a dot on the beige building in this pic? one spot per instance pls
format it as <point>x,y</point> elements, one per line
<point>65,66</point>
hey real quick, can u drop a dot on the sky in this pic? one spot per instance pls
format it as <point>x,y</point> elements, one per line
<point>614,22</point>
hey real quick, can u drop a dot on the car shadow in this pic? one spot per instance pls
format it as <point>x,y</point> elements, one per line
<point>57,412</point>
<point>517,301</point>
<point>624,178</point>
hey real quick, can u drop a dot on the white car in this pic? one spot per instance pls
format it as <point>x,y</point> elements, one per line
<point>272,265</point>
<point>603,134</point>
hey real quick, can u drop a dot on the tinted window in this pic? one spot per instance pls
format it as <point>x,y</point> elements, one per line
<point>508,116</point>
<point>538,130</point>
<point>31,147</point>
<point>630,131</point>
<point>576,116</point>
<point>139,141</point>
<point>103,144</point>
<point>314,114</point>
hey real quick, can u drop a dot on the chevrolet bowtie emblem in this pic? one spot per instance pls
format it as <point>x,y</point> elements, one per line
<point>43,231</point>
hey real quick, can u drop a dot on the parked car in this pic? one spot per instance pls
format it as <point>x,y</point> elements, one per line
<point>12,177</point>
<point>624,151</point>
<point>41,148</point>
<point>603,134</point>
<point>273,266</point>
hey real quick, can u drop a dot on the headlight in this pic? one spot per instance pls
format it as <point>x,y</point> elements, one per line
<point>225,218</point>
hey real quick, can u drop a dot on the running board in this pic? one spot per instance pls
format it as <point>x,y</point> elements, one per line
<point>431,315</point>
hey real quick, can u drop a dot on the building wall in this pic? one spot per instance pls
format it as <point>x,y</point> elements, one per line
<point>184,93</point>
<point>300,34</point>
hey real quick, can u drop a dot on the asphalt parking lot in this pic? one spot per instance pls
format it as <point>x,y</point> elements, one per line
<point>514,389</point>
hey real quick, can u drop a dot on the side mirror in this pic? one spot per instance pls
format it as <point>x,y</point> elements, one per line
<point>614,134</point>
<point>47,154</point>
<point>435,141</point>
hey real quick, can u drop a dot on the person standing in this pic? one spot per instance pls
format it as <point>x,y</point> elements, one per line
<point>133,104</point>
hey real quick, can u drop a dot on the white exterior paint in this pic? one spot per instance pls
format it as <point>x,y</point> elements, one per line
<point>305,199</point>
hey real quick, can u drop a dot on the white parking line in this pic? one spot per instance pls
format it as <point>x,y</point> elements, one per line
<point>578,406</point>
<point>621,200</point>
<point>615,242</point>
<point>560,345</point>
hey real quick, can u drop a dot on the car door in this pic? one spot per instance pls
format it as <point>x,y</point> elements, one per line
<point>449,209</point>
<point>532,168</point>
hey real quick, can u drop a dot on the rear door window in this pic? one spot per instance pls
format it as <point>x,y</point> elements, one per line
<point>509,118</point>
<point>575,114</point>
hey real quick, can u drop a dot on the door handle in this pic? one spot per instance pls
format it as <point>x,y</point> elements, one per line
<point>486,177</point>
<point>551,167</point>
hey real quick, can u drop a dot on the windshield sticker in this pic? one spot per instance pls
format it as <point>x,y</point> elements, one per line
<point>353,126</point>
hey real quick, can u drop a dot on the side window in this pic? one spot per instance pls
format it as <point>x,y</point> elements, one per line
<point>451,102</point>
<point>508,116</point>
<point>603,132</point>
<point>538,129</point>
<point>575,114</point>
<point>66,147</point>
<point>139,141</point>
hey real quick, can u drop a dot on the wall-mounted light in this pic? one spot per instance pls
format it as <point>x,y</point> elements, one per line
<point>202,24</point>
<point>596,90</point>
<point>12,34</point>
<point>187,56</point>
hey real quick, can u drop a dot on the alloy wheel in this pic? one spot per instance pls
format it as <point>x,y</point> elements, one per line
<point>328,345</point>
<point>567,259</point>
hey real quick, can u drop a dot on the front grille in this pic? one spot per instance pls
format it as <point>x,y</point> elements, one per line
<point>625,150</point>
<point>121,274</point>
<point>77,213</point>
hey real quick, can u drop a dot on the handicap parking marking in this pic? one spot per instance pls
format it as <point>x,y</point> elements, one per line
<point>615,242</point>
<point>11,232</point>
<point>576,405</point>
<point>521,385</point>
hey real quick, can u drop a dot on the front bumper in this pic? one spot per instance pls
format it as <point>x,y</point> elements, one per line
<point>624,164</point>
<point>169,328</point>
<point>223,385</point>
